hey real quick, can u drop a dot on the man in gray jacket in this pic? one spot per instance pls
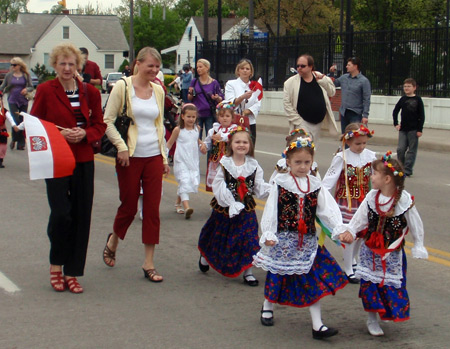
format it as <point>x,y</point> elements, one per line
<point>355,94</point>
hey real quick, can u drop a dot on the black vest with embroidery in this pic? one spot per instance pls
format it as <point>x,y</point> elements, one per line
<point>393,227</point>
<point>288,210</point>
<point>232,184</point>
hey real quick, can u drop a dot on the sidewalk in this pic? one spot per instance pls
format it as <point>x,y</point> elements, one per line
<point>432,139</point>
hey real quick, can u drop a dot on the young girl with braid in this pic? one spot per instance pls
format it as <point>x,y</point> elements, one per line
<point>383,219</point>
<point>300,272</point>
<point>349,173</point>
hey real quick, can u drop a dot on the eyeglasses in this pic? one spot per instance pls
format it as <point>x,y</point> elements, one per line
<point>301,66</point>
<point>13,64</point>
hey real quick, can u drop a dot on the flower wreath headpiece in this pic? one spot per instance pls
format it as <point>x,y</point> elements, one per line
<point>237,129</point>
<point>362,131</point>
<point>301,142</point>
<point>386,158</point>
<point>225,105</point>
<point>301,131</point>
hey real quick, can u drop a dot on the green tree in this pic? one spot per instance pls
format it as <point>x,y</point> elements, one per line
<point>9,9</point>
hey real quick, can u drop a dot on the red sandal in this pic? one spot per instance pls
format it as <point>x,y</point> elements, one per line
<point>73,285</point>
<point>57,281</point>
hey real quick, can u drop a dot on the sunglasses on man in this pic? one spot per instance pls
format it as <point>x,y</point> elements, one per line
<point>13,64</point>
<point>301,66</point>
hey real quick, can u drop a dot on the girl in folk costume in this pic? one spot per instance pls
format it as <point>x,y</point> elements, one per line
<point>383,219</point>
<point>3,133</point>
<point>350,172</point>
<point>281,166</point>
<point>217,140</point>
<point>186,165</point>
<point>299,271</point>
<point>229,238</point>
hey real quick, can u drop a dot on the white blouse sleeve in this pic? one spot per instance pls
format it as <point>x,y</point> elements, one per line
<point>223,194</point>
<point>208,140</point>
<point>261,188</point>
<point>360,220</point>
<point>230,92</point>
<point>328,212</point>
<point>254,104</point>
<point>269,220</point>
<point>415,226</point>
<point>333,173</point>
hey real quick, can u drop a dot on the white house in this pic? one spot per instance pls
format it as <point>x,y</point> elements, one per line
<point>231,29</point>
<point>34,35</point>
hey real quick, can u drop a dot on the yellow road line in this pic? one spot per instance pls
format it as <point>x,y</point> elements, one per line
<point>260,207</point>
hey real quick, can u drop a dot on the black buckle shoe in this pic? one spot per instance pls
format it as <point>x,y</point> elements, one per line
<point>352,279</point>
<point>266,321</point>
<point>252,283</point>
<point>203,268</point>
<point>330,332</point>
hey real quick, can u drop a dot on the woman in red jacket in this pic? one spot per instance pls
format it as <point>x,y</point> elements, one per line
<point>76,108</point>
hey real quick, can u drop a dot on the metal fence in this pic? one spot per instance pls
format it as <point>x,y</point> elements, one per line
<point>388,57</point>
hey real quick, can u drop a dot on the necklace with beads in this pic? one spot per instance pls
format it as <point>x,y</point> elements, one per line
<point>73,91</point>
<point>378,205</point>
<point>298,186</point>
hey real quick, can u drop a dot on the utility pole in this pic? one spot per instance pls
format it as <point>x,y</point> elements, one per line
<point>205,21</point>
<point>131,54</point>
<point>251,19</point>
<point>219,38</point>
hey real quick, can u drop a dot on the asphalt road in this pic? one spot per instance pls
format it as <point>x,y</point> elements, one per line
<point>120,309</point>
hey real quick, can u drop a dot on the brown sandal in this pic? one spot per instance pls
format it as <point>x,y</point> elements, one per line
<point>108,254</point>
<point>150,275</point>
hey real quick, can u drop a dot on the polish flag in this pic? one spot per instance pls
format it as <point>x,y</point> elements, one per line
<point>49,155</point>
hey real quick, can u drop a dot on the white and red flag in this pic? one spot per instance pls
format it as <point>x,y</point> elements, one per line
<point>49,155</point>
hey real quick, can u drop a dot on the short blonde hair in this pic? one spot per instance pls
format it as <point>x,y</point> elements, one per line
<point>66,50</point>
<point>241,63</point>
<point>21,64</point>
<point>205,62</point>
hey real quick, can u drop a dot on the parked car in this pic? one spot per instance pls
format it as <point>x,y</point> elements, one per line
<point>4,69</point>
<point>110,80</point>
<point>168,71</point>
<point>34,79</point>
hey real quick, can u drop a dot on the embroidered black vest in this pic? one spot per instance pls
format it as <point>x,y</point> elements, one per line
<point>288,210</point>
<point>232,184</point>
<point>393,227</point>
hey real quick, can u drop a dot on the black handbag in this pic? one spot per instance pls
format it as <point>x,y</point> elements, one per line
<point>122,124</point>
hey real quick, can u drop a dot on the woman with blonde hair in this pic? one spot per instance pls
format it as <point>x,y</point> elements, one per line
<point>205,94</point>
<point>240,93</point>
<point>76,108</point>
<point>141,157</point>
<point>18,83</point>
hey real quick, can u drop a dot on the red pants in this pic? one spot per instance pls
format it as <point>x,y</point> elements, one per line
<point>149,171</point>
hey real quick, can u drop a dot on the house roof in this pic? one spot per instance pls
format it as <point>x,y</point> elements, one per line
<point>104,31</point>
<point>227,24</point>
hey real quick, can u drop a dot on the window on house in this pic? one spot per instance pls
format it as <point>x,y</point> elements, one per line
<point>109,61</point>
<point>65,32</point>
<point>190,33</point>
<point>179,59</point>
<point>47,63</point>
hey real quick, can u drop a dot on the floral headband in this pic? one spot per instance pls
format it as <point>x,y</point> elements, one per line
<point>225,105</point>
<point>362,131</point>
<point>299,130</point>
<point>237,129</point>
<point>386,158</point>
<point>301,142</point>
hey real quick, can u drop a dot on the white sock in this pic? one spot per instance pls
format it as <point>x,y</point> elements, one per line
<point>316,317</point>
<point>373,317</point>
<point>348,258</point>
<point>356,248</point>
<point>248,275</point>
<point>267,306</point>
<point>203,261</point>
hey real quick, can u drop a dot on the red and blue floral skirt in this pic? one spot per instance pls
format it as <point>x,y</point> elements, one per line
<point>228,244</point>
<point>389,302</point>
<point>324,278</point>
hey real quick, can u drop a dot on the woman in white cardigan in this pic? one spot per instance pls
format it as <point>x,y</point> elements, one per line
<point>141,159</point>
<point>245,99</point>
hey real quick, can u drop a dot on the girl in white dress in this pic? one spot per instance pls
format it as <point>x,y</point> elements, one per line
<point>186,165</point>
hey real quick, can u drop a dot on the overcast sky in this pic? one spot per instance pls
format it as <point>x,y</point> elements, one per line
<point>38,6</point>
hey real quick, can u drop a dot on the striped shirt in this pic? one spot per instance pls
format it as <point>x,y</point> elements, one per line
<point>74,99</point>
